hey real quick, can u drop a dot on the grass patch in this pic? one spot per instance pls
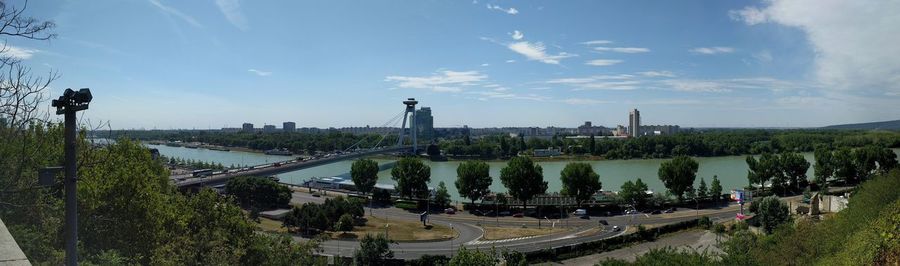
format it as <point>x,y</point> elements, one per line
<point>399,230</point>
<point>495,233</point>
<point>270,225</point>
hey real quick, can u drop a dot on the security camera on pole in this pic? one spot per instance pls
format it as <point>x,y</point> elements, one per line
<point>68,104</point>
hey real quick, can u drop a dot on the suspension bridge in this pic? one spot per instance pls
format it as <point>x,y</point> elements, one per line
<point>356,150</point>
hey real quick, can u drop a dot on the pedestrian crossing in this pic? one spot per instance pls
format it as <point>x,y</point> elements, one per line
<point>482,242</point>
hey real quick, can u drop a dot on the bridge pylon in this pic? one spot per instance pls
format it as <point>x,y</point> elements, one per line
<point>413,130</point>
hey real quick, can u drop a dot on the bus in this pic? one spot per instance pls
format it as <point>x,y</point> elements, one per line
<point>201,173</point>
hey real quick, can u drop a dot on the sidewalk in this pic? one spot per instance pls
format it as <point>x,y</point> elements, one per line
<point>10,253</point>
<point>693,239</point>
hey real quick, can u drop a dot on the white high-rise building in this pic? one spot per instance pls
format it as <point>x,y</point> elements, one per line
<point>634,123</point>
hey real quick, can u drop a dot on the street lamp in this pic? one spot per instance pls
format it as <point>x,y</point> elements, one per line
<point>67,104</point>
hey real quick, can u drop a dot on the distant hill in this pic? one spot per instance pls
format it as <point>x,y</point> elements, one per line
<point>887,125</point>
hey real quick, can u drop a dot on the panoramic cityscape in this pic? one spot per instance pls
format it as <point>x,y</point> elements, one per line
<point>231,132</point>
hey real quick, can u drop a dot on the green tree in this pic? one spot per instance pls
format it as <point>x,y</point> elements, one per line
<point>771,212</point>
<point>258,192</point>
<point>441,196</point>
<point>844,166</point>
<point>373,250</point>
<point>715,189</point>
<point>345,223</point>
<point>412,177</point>
<point>824,167</point>
<point>634,193</point>
<point>473,179</point>
<point>364,173</point>
<point>702,190</point>
<point>592,145</point>
<point>466,257</point>
<point>579,180</point>
<point>794,167</point>
<point>762,170</point>
<point>678,175</point>
<point>523,179</point>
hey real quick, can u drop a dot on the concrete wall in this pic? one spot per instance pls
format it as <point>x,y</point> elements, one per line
<point>10,253</point>
<point>832,204</point>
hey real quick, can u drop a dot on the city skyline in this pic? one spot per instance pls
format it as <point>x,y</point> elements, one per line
<point>692,63</point>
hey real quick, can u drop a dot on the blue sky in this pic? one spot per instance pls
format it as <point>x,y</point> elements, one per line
<point>199,64</point>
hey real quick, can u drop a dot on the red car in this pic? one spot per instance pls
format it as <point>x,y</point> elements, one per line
<point>518,215</point>
<point>450,211</point>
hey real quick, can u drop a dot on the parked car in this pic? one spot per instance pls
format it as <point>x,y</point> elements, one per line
<point>602,222</point>
<point>656,212</point>
<point>450,211</point>
<point>670,210</point>
<point>518,215</point>
<point>580,212</point>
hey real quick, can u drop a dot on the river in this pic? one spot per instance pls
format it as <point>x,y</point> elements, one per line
<point>732,170</point>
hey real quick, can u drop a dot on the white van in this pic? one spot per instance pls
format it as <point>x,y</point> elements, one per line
<point>580,212</point>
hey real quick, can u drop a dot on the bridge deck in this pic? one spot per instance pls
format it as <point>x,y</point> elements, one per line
<point>282,167</point>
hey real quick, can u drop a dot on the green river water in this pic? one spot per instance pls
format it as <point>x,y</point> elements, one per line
<point>732,170</point>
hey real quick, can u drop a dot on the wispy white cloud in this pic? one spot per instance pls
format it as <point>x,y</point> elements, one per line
<point>485,64</point>
<point>511,61</point>
<point>517,35</point>
<point>697,85</point>
<point>596,42</point>
<point>622,85</point>
<point>653,74</point>
<point>603,62</point>
<point>763,56</point>
<point>170,11</point>
<point>485,95</point>
<point>712,50</point>
<point>260,72</point>
<point>628,50</point>
<point>538,52</point>
<point>511,11</point>
<point>443,81</point>
<point>16,52</point>
<point>232,11</point>
<point>749,15</point>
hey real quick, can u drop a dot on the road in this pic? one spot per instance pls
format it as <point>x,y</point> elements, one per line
<point>470,232</point>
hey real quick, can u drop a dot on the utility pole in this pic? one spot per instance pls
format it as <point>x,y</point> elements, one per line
<point>68,104</point>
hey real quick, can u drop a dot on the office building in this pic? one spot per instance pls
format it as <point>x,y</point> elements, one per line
<point>247,127</point>
<point>660,129</point>
<point>425,124</point>
<point>589,129</point>
<point>269,128</point>
<point>634,123</point>
<point>289,126</point>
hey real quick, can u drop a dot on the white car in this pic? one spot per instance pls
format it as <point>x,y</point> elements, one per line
<point>616,228</point>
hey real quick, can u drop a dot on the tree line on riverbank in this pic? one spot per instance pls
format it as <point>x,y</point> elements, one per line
<point>296,142</point>
<point>690,143</point>
<point>720,142</point>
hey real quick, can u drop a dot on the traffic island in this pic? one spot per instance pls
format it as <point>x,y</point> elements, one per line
<point>508,232</point>
<point>400,230</point>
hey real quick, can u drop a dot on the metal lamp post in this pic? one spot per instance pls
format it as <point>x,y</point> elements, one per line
<point>68,104</point>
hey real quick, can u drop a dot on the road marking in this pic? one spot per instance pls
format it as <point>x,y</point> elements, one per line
<point>481,242</point>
